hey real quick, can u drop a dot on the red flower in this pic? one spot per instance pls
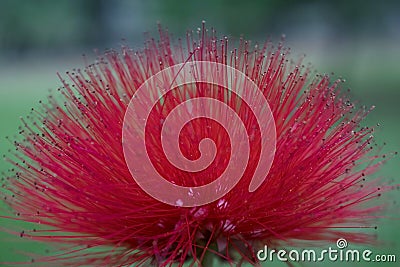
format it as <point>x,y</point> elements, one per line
<point>72,177</point>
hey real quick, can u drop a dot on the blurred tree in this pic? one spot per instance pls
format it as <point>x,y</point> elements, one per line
<point>44,24</point>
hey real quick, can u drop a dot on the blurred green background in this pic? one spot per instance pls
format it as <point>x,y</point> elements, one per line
<point>358,40</point>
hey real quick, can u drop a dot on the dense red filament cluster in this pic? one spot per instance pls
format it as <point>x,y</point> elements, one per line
<point>71,176</point>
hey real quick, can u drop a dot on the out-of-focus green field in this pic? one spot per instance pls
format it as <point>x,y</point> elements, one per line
<point>373,76</point>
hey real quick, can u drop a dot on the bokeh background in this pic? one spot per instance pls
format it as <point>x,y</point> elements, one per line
<point>357,40</point>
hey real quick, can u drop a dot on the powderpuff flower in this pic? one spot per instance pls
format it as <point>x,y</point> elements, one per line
<point>73,180</point>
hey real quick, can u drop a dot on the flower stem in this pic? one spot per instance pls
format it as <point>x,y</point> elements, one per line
<point>208,259</point>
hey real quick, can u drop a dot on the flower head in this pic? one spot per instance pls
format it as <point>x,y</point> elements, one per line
<point>72,176</point>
